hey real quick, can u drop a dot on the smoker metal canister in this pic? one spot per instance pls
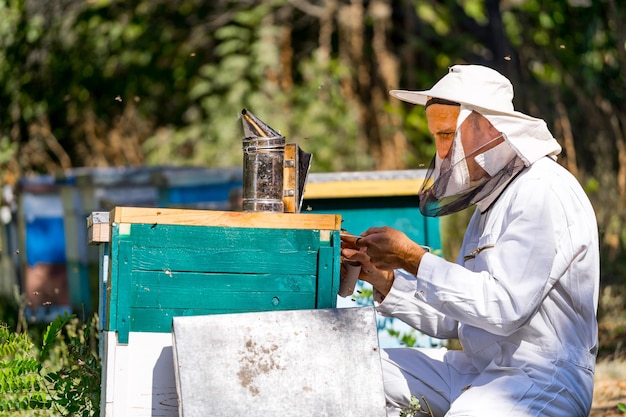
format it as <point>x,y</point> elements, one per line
<point>263,160</point>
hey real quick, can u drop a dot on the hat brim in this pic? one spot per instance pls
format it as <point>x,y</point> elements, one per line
<point>414,97</point>
<point>421,97</point>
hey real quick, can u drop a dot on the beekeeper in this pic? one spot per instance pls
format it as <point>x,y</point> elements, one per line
<point>522,295</point>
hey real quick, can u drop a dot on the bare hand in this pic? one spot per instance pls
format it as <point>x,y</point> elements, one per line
<point>380,280</point>
<point>389,249</point>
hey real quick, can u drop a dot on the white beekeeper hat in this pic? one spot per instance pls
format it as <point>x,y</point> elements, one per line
<point>472,85</point>
<point>491,94</point>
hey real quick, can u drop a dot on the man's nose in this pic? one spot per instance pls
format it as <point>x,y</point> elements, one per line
<point>443,147</point>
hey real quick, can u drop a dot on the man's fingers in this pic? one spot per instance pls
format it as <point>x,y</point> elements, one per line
<point>375,230</point>
<point>353,255</point>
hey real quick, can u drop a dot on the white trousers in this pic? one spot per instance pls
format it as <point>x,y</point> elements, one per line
<point>452,386</point>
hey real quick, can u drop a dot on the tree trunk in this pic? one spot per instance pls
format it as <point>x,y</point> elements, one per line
<point>392,144</point>
<point>565,128</point>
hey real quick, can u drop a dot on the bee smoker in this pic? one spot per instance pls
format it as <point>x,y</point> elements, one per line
<point>274,173</point>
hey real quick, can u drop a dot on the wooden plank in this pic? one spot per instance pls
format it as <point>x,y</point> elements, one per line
<point>217,237</point>
<point>98,228</point>
<point>196,290</point>
<point>114,376</point>
<point>138,377</point>
<point>365,184</point>
<point>156,216</point>
<point>160,319</point>
<point>327,287</point>
<point>175,248</point>
<point>208,301</point>
<point>202,244</point>
<point>122,323</point>
<point>363,188</point>
<point>223,260</point>
<point>103,275</point>
<point>112,286</point>
<point>290,183</point>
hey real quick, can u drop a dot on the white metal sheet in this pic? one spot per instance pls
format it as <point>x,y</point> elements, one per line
<point>284,363</point>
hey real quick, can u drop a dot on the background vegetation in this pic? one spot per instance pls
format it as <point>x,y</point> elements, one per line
<point>58,377</point>
<point>150,82</point>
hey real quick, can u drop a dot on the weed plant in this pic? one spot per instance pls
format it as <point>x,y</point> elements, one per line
<point>415,408</point>
<point>59,378</point>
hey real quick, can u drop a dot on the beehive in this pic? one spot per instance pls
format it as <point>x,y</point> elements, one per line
<point>161,263</point>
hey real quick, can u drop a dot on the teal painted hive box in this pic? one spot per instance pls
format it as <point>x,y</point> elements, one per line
<point>175,262</point>
<point>156,264</point>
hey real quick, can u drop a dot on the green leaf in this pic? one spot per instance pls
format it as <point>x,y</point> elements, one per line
<point>52,331</point>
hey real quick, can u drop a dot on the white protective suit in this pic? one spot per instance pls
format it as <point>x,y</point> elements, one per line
<point>522,298</point>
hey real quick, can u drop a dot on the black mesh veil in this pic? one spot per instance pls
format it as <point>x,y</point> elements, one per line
<point>477,167</point>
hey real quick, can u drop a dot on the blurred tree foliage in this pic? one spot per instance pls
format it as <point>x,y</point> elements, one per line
<point>150,82</point>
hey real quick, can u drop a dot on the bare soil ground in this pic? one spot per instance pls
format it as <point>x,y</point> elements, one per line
<point>610,388</point>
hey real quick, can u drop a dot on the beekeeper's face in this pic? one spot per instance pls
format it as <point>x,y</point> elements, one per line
<point>477,135</point>
<point>442,124</point>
